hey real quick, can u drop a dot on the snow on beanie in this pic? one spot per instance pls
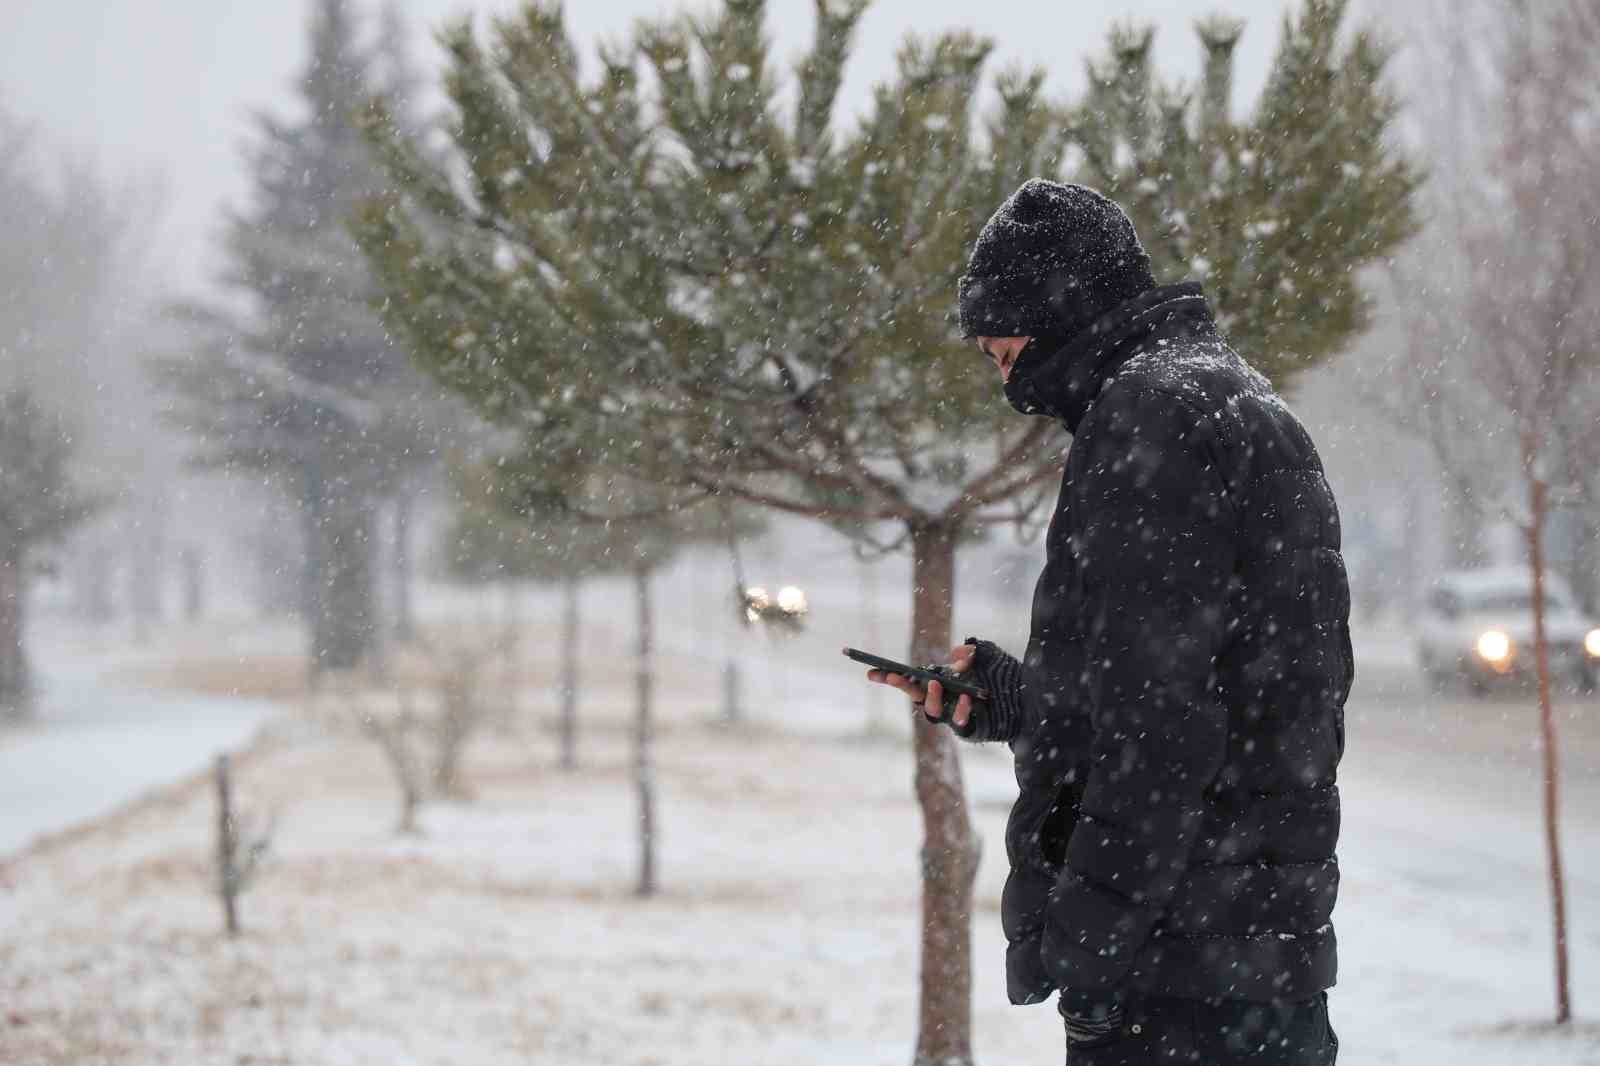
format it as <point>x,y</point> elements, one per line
<point>1051,260</point>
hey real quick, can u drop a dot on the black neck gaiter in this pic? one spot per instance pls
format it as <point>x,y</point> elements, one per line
<point>1021,386</point>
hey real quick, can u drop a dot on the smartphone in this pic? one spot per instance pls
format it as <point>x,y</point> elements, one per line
<point>951,683</point>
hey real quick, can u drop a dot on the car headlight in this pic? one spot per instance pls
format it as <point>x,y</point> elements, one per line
<point>1494,646</point>
<point>1591,643</point>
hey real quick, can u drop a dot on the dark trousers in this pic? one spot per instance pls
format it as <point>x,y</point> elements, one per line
<point>1166,1032</point>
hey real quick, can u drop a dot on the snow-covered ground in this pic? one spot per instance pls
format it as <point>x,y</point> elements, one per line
<point>95,740</point>
<point>787,927</point>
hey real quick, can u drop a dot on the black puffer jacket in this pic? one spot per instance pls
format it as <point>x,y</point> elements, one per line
<point>1178,718</point>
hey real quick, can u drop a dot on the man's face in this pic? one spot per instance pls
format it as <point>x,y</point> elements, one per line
<point>1003,352</point>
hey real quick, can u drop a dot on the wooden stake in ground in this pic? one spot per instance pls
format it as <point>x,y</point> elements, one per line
<point>238,859</point>
<point>227,849</point>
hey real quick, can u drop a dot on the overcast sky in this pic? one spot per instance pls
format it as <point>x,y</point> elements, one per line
<point>166,87</point>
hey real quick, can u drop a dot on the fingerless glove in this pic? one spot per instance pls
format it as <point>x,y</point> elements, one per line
<point>1001,718</point>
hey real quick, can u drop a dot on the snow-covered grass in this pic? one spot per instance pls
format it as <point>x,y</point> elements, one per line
<point>786,931</point>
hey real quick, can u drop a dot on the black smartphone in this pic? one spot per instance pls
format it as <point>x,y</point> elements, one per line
<point>951,683</point>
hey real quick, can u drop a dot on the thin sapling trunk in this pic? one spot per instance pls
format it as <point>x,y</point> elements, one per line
<point>569,673</point>
<point>13,614</point>
<point>644,773</point>
<point>1538,493</point>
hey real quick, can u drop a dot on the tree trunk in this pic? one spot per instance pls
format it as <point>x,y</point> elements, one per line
<point>1412,557</point>
<point>510,639</point>
<point>1465,548</point>
<point>410,800</point>
<point>569,672</point>
<point>731,712</point>
<point>146,565</point>
<point>227,849</point>
<point>313,513</point>
<point>950,847</point>
<point>340,575</point>
<point>458,717</point>
<point>642,770</point>
<point>13,616</point>
<point>279,551</point>
<point>93,570</point>
<point>193,562</point>
<point>1547,728</point>
<point>401,562</point>
<point>1586,560</point>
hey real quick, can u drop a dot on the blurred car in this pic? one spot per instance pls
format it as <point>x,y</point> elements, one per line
<point>1477,625</point>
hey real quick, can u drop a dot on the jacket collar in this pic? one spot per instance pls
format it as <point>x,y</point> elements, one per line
<point>1063,383</point>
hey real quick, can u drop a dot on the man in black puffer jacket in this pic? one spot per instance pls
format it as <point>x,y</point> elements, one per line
<point>1178,718</point>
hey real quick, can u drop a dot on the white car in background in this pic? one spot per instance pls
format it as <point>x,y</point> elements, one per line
<point>1477,625</point>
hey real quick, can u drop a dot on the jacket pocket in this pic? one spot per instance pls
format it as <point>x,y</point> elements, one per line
<point>1056,827</point>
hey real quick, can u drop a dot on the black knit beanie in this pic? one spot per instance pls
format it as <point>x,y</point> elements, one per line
<point>1052,260</point>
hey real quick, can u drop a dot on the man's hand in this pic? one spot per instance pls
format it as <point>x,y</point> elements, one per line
<point>931,703</point>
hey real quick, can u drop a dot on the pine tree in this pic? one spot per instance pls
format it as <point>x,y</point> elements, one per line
<point>39,504</point>
<point>308,388</point>
<point>1276,213</point>
<point>711,296</point>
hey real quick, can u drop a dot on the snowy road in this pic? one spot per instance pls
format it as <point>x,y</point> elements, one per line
<point>97,742</point>
<point>1422,755</point>
<point>1444,921</point>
